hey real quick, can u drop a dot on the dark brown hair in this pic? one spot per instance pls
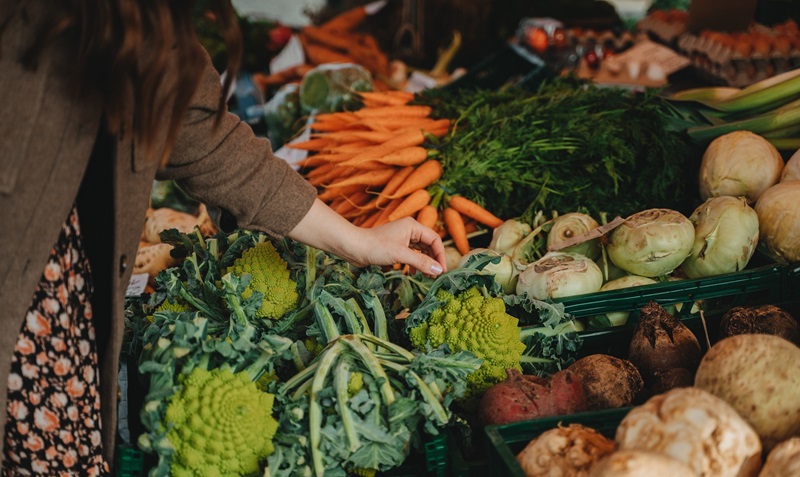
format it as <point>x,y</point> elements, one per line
<point>125,49</point>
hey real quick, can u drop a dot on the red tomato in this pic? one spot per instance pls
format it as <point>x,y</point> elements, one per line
<point>537,39</point>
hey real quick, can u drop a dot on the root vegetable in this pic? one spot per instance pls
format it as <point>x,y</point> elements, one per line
<point>609,382</point>
<point>779,220</point>
<point>759,376</point>
<point>764,319</point>
<point>153,259</point>
<point>522,397</point>
<point>783,460</point>
<point>694,427</point>
<point>661,343</point>
<point>630,463</point>
<point>166,218</point>
<point>567,451</point>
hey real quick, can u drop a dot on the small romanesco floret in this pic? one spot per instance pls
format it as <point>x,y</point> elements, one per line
<point>167,305</point>
<point>479,324</point>
<point>270,276</point>
<point>220,425</point>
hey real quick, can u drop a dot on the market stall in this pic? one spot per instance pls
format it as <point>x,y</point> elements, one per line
<point>618,198</point>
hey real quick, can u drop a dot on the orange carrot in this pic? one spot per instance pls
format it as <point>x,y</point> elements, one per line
<point>327,38</point>
<point>455,227</point>
<point>358,136</point>
<point>395,111</point>
<point>339,116</point>
<point>384,218</point>
<point>411,205</point>
<point>333,192</point>
<point>383,98</point>
<point>409,156</point>
<point>310,145</point>
<point>470,226</point>
<point>401,141</point>
<point>425,175</point>
<point>318,171</point>
<point>371,166</point>
<point>330,178</point>
<point>428,216</point>
<point>318,54</point>
<point>394,183</point>
<point>354,147</point>
<point>367,178</point>
<point>472,210</point>
<point>372,218</point>
<point>355,201</point>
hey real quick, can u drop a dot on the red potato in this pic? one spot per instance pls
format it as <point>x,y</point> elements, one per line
<point>522,397</point>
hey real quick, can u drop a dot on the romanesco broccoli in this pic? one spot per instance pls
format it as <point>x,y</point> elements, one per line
<point>270,276</point>
<point>167,305</point>
<point>220,425</point>
<point>476,323</point>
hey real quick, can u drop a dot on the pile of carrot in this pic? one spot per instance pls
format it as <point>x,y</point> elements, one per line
<point>337,41</point>
<point>372,167</point>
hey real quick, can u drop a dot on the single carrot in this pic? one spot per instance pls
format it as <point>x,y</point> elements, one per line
<point>428,216</point>
<point>328,38</point>
<point>411,205</point>
<point>395,111</point>
<point>395,123</point>
<point>354,147</point>
<point>372,218</point>
<point>310,145</point>
<point>329,179</point>
<point>470,226</point>
<point>384,218</point>
<point>339,116</point>
<point>320,170</point>
<point>331,193</point>
<point>312,161</point>
<point>409,156</point>
<point>358,136</point>
<point>423,176</point>
<point>367,178</point>
<point>401,141</point>
<point>318,54</point>
<point>473,210</point>
<point>383,98</point>
<point>370,166</point>
<point>454,224</point>
<point>352,202</point>
<point>401,94</point>
<point>394,183</point>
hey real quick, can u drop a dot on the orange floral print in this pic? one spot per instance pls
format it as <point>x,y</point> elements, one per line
<point>37,324</point>
<point>25,346</point>
<point>53,414</point>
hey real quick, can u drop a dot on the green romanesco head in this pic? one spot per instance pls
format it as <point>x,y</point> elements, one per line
<point>270,276</point>
<point>167,305</point>
<point>220,425</point>
<point>473,322</point>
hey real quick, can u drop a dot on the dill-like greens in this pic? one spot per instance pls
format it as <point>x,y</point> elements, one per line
<point>567,146</point>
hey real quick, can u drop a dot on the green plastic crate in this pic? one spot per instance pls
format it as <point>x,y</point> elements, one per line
<point>507,440</point>
<point>129,462</point>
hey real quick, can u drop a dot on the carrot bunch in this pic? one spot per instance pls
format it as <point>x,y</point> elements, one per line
<point>336,41</point>
<point>371,165</point>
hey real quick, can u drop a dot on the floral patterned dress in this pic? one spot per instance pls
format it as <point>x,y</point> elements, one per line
<point>53,420</point>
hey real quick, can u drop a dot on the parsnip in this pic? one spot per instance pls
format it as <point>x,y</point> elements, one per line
<point>166,218</point>
<point>153,259</point>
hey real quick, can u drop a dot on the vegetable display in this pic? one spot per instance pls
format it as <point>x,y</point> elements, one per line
<point>741,370</point>
<point>696,428</point>
<point>573,448</point>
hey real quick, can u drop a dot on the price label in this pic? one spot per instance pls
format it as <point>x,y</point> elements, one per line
<point>137,284</point>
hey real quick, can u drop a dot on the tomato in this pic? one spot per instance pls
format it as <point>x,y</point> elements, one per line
<point>538,39</point>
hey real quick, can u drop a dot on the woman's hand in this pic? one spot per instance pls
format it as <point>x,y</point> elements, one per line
<point>403,241</point>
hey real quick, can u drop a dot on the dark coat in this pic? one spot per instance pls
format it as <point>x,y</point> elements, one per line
<point>47,135</point>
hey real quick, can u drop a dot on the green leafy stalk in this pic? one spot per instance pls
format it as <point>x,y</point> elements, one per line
<point>324,366</point>
<point>341,379</point>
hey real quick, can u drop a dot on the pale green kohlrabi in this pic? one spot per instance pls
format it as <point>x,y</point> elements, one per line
<point>726,235</point>
<point>507,235</point>
<point>505,274</point>
<point>652,242</point>
<point>568,226</point>
<point>560,274</point>
<point>619,318</point>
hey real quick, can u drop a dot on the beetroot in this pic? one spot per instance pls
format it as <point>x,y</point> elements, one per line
<point>521,397</point>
